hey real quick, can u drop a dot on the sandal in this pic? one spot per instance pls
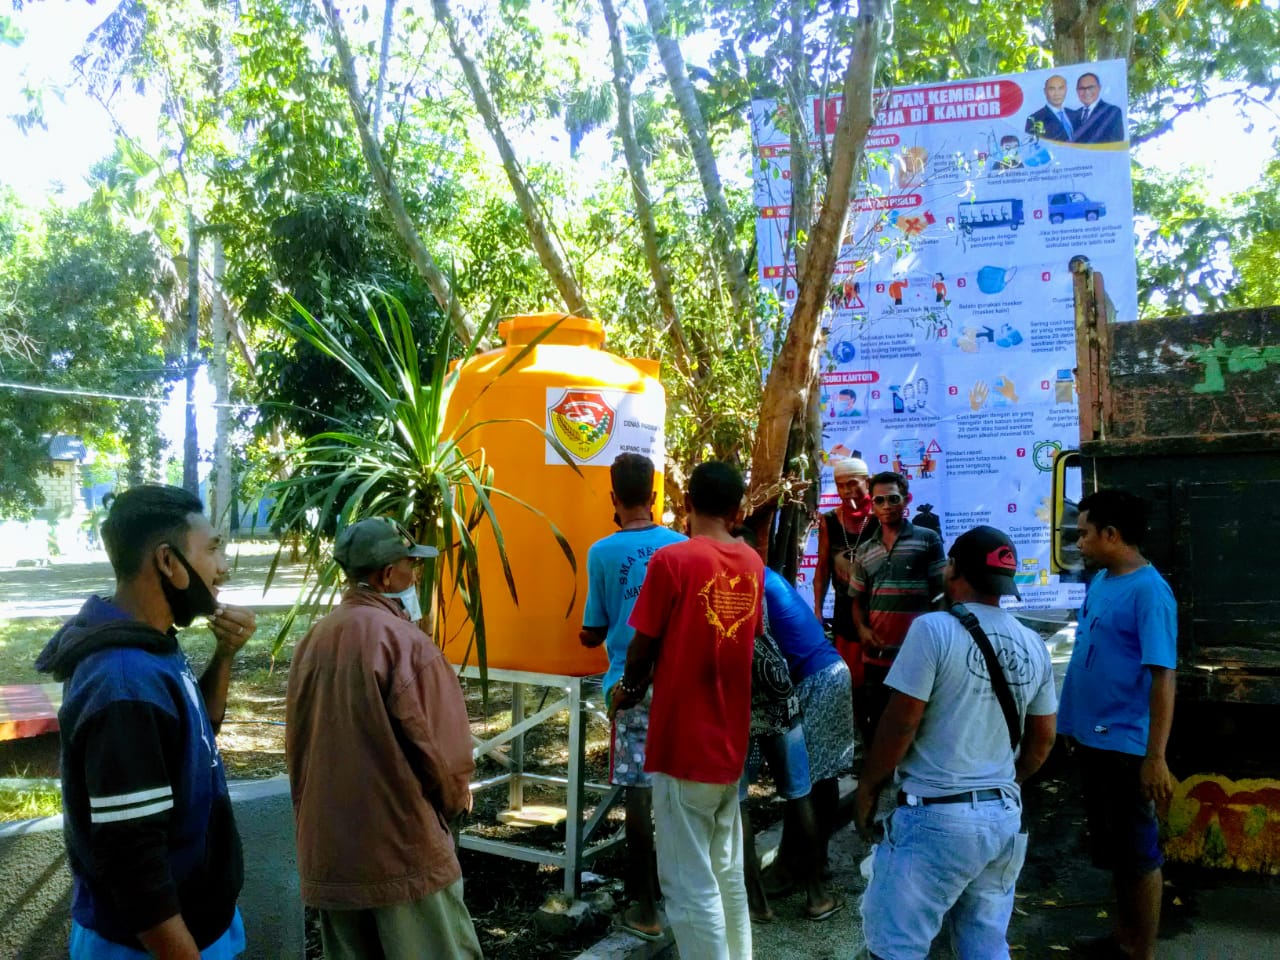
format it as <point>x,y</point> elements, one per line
<point>838,904</point>
<point>620,924</point>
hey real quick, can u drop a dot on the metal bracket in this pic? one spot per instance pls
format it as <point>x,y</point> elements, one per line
<point>578,834</point>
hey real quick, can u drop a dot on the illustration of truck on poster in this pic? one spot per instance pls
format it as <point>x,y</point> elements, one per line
<point>950,338</point>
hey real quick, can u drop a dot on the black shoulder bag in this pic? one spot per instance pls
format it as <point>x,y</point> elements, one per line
<point>998,680</point>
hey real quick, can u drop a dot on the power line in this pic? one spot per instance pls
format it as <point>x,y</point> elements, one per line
<point>174,371</point>
<point>97,394</point>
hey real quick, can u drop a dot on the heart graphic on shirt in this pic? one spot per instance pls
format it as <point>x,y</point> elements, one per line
<point>730,602</point>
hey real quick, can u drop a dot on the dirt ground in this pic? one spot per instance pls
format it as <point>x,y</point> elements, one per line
<point>1060,896</point>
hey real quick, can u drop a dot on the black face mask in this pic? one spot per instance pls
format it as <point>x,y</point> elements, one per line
<point>195,600</point>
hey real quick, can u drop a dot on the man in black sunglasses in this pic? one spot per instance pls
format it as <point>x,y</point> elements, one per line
<point>897,575</point>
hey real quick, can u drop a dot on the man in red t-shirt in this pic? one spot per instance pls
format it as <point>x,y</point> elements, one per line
<point>696,620</point>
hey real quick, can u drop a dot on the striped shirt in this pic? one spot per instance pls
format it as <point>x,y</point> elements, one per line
<point>899,584</point>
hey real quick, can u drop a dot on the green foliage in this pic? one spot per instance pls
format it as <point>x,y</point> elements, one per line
<point>405,462</point>
<point>1256,249</point>
<point>29,802</point>
<point>713,413</point>
<point>256,135</point>
<point>1184,245</point>
<point>327,250</point>
<point>958,39</point>
<point>1184,58</point>
<point>79,295</point>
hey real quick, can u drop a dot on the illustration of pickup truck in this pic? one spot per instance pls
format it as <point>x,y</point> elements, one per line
<point>977,214</point>
<point>1073,206</point>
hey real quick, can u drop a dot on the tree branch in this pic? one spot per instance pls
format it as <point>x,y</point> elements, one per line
<point>695,127</point>
<point>640,193</point>
<point>787,389</point>
<point>384,53</point>
<point>1180,109</point>
<point>539,234</point>
<point>400,220</point>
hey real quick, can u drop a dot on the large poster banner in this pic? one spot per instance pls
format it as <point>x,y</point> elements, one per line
<point>950,337</point>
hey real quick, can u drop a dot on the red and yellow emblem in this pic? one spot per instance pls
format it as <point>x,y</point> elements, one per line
<point>583,420</point>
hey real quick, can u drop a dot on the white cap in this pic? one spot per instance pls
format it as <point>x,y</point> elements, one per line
<point>850,467</point>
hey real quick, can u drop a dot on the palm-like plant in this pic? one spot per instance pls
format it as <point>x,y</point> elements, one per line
<point>411,467</point>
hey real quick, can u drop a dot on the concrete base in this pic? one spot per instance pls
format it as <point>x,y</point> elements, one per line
<point>35,883</point>
<point>561,915</point>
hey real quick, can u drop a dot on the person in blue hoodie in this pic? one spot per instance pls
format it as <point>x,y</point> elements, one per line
<point>152,843</point>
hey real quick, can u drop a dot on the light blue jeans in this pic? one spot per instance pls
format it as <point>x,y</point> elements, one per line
<point>952,863</point>
<point>698,835</point>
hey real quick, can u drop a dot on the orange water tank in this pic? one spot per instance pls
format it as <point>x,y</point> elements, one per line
<point>598,405</point>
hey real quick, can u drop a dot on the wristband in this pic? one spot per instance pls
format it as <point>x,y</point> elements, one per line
<point>636,691</point>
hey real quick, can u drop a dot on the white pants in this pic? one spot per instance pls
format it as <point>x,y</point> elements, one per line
<point>698,835</point>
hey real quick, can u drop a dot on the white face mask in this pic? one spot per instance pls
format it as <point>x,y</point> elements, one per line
<point>409,600</point>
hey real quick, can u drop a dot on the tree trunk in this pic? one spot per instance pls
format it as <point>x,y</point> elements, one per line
<point>220,374</point>
<point>235,333</point>
<point>139,438</point>
<point>1070,31</point>
<point>1117,42</point>
<point>695,127</point>
<point>539,234</point>
<point>384,54</point>
<point>191,439</point>
<point>1079,35</point>
<point>389,190</point>
<point>640,192</point>
<point>786,393</point>
<point>805,439</point>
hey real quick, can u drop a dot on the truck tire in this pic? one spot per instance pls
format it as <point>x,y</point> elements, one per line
<point>1091,215</point>
<point>1055,218</point>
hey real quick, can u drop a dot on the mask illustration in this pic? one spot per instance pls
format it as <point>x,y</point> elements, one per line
<point>994,279</point>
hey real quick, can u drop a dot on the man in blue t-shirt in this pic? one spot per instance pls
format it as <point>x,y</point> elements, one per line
<point>1117,703</point>
<point>824,688</point>
<point>616,567</point>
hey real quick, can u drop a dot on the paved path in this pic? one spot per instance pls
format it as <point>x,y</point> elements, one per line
<point>35,884</point>
<point>59,589</point>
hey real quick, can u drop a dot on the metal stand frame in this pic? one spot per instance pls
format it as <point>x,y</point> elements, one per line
<point>578,849</point>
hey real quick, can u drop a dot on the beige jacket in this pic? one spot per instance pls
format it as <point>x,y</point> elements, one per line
<point>379,755</point>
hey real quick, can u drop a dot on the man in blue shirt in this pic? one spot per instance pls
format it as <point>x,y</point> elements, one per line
<point>823,685</point>
<point>1117,703</point>
<point>616,567</point>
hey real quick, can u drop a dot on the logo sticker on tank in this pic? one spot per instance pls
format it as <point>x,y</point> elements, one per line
<point>583,420</point>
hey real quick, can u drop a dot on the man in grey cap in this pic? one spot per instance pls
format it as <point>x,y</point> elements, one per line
<point>378,747</point>
<point>958,742</point>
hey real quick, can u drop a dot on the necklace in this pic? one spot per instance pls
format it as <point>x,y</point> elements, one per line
<point>850,550</point>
